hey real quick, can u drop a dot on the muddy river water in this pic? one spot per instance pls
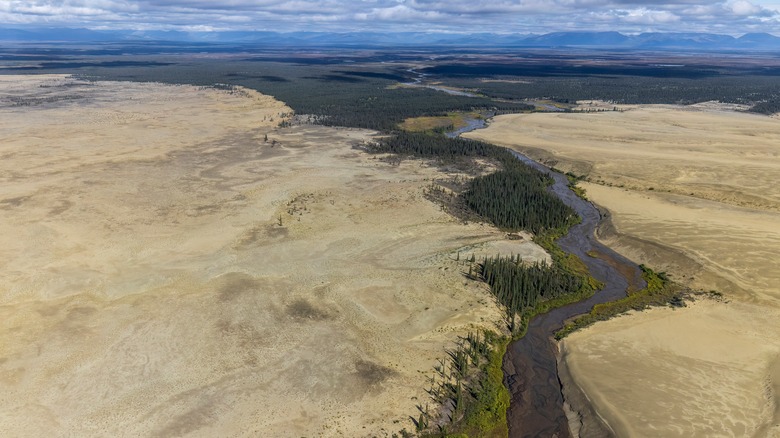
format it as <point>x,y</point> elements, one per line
<point>530,364</point>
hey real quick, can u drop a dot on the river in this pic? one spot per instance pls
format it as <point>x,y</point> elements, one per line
<point>530,365</point>
<point>418,82</point>
<point>471,124</point>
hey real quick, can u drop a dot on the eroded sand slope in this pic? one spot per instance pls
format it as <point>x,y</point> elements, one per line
<point>148,288</point>
<point>693,191</point>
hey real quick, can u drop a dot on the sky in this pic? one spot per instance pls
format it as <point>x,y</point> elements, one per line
<point>733,17</point>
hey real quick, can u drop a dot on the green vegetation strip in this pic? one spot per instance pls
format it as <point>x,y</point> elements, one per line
<point>513,198</point>
<point>520,287</point>
<point>573,181</point>
<point>659,292</point>
<point>470,388</point>
<point>568,263</point>
<point>524,291</point>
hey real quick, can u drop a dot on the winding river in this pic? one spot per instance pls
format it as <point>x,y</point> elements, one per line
<point>530,364</point>
<point>418,82</point>
<point>471,124</point>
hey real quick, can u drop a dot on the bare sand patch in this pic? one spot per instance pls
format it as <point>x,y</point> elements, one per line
<point>690,190</point>
<point>168,272</point>
<point>723,156</point>
<point>703,371</point>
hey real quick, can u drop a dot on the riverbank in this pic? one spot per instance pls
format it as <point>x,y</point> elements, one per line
<point>721,359</point>
<point>689,191</point>
<point>537,407</point>
<point>707,341</point>
<point>512,198</point>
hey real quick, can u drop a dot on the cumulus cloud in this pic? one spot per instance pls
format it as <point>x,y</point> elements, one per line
<point>649,17</point>
<point>414,15</point>
<point>743,8</point>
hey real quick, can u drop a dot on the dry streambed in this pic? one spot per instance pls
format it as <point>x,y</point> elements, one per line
<point>167,271</point>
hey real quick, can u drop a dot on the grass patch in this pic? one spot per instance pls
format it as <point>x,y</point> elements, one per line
<point>569,262</point>
<point>579,191</point>
<point>660,291</point>
<point>573,181</point>
<point>424,124</point>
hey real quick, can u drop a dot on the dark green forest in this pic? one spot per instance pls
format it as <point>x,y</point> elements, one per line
<point>435,145</point>
<point>513,198</point>
<point>334,95</point>
<point>767,107</point>
<point>520,287</point>
<point>517,199</point>
<point>628,81</point>
<point>747,90</point>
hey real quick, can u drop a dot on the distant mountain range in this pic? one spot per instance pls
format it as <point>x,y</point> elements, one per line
<point>616,40</point>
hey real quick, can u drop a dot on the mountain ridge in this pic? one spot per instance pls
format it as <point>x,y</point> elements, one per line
<point>584,39</point>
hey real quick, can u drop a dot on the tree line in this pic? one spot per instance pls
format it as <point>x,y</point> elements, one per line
<point>760,92</point>
<point>519,286</point>
<point>514,198</point>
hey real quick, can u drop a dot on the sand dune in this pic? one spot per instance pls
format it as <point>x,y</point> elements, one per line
<point>689,190</point>
<point>723,156</point>
<point>149,289</point>
<point>708,370</point>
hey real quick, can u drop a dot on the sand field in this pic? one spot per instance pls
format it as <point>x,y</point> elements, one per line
<point>168,272</point>
<point>692,191</point>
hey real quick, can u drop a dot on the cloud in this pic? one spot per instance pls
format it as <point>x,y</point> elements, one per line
<point>745,8</point>
<point>646,16</point>
<point>517,16</point>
